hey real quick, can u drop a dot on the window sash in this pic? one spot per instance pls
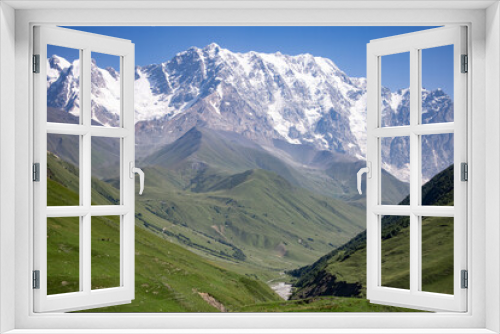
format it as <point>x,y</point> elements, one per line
<point>413,43</point>
<point>86,297</point>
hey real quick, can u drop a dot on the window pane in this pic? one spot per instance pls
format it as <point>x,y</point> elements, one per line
<point>437,169</point>
<point>395,164</point>
<point>395,252</point>
<point>437,84</point>
<point>63,174</point>
<point>437,254</point>
<point>105,170</point>
<point>63,85</point>
<point>105,90</point>
<point>395,76</point>
<point>63,255</point>
<point>105,252</point>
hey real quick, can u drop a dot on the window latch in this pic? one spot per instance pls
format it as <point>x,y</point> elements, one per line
<point>133,171</point>
<point>368,171</point>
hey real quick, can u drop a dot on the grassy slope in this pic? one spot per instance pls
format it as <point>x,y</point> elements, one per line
<point>105,153</point>
<point>256,213</point>
<point>168,277</point>
<point>223,151</point>
<point>394,189</point>
<point>248,215</point>
<point>227,212</point>
<point>322,304</point>
<point>233,154</point>
<point>348,263</point>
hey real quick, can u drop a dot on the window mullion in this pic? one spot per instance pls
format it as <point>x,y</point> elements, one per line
<point>85,274</point>
<point>86,115</point>
<point>86,173</point>
<point>127,198</point>
<point>414,171</point>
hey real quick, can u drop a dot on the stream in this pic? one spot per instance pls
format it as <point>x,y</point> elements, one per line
<point>284,290</point>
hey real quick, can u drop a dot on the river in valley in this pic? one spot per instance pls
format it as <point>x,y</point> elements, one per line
<point>284,290</point>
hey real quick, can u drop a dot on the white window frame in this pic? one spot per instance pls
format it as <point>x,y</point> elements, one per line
<point>414,43</point>
<point>85,44</point>
<point>482,316</point>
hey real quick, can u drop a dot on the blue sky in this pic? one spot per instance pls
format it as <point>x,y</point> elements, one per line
<point>345,46</point>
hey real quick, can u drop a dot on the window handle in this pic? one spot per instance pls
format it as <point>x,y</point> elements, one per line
<point>368,171</point>
<point>133,171</point>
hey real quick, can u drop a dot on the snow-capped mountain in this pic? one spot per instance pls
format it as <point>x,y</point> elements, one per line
<point>63,86</point>
<point>300,99</point>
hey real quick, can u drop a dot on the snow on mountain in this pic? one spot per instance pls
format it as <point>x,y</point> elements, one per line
<point>63,84</point>
<point>63,90</point>
<point>300,99</point>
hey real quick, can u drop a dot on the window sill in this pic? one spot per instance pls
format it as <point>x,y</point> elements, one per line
<point>253,331</point>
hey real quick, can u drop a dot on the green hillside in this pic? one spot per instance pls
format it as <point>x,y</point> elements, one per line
<point>225,152</point>
<point>342,272</point>
<point>223,196</point>
<point>169,278</point>
<point>256,216</point>
<point>321,172</point>
<point>105,153</point>
<point>322,304</point>
<point>346,172</point>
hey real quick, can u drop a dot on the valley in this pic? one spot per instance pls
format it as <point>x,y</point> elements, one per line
<point>342,272</point>
<point>169,277</point>
<point>250,188</point>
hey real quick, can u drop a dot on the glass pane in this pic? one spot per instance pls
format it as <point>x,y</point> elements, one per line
<point>395,176</point>
<point>437,254</point>
<point>395,91</point>
<point>437,84</point>
<point>437,169</point>
<point>105,258</point>
<point>63,85</point>
<point>105,90</point>
<point>63,255</point>
<point>63,174</point>
<point>105,156</point>
<point>395,252</point>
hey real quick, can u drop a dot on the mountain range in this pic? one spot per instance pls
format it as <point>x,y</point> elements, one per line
<point>274,100</point>
<point>250,162</point>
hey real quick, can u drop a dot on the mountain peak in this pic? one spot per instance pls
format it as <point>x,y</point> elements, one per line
<point>212,50</point>
<point>58,62</point>
<point>114,73</point>
<point>194,131</point>
<point>212,46</point>
<point>300,99</point>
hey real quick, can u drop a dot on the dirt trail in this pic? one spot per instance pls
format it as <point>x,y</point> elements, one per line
<point>212,301</point>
